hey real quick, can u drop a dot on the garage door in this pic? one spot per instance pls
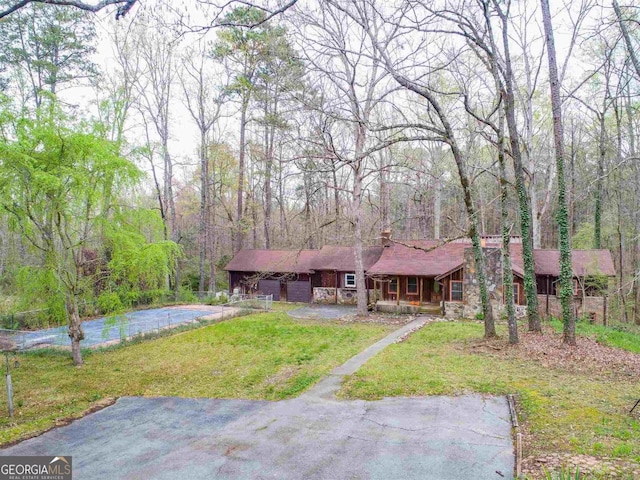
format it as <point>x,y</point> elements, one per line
<point>270,287</point>
<point>299,291</point>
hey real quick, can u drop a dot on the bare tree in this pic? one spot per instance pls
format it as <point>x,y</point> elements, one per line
<point>349,72</point>
<point>204,99</point>
<point>417,78</point>
<point>154,88</point>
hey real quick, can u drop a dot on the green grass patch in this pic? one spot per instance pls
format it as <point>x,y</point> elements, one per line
<point>563,411</point>
<point>262,356</point>
<point>623,336</point>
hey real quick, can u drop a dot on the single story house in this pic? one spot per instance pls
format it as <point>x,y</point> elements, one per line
<point>420,275</point>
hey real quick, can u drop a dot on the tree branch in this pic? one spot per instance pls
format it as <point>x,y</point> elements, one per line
<point>123,6</point>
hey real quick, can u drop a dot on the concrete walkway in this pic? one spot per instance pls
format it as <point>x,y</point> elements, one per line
<point>326,388</point>
<point>313,436</point>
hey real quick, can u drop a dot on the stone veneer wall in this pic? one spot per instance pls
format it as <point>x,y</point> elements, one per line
<point>324,295</point>
<point>346,296</point>
<point>453,310</point>
<point>471,287</point>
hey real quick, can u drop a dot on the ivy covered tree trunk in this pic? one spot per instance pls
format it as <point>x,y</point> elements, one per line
<point>507,271</point>
<point>566,275</point>
<point>472,215</point>
<point>597,220</point>
<point>526,227</point>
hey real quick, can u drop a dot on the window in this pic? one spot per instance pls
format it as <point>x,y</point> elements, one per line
<point>350,280</point>
<point>456,290</point>
<point>412,285</point>
<point>516,293</point>
<point>393,285</point>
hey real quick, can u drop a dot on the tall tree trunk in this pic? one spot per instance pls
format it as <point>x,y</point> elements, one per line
<point>269,134</point>
<point>530,287</point>
<point>627,38</point>
<point>357,215</point>
<point>336,200</point>
<point>566,275</point>
<point>507,270</point>
<point>76,334</point>
<point>204,216</point>
<point>597,220</point>
<point>620,221</point>
<point>241,166</point>
<point>437,207</point>
<point>284,225</point>
<point>472,215</point>
<point>361,285</point>
<point>385,221</point>
<point>635,242</point>
<point>171,204</point>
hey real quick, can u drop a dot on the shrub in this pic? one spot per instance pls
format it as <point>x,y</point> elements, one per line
<point>187,295</point>
<point>109,302</point>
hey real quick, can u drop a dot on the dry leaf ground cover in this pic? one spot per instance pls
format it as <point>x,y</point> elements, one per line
<point>262,356</point>
<point>572,401</point>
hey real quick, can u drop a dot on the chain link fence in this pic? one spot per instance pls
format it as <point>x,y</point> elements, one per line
<point>116,328</point>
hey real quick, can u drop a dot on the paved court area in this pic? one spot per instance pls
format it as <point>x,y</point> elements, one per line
<point>109,329</point>
<point>323,311</point>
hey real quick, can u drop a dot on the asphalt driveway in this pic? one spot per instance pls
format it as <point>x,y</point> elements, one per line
<point>313,436</point>
<point>396,438</point>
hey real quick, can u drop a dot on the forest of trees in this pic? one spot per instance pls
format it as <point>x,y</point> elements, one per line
<point>139,153</point>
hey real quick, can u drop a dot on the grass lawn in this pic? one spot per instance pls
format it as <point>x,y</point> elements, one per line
<point>564,411</point>
<point>624,336</point>
<point>261,356</point>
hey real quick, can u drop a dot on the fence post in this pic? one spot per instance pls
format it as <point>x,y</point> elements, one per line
<point>9,387</point>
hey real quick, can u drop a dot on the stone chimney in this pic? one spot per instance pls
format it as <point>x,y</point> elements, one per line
<point>385,238</point>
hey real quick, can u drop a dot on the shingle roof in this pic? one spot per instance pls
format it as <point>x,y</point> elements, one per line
<point>585,262</point>
<point>272,261</point>
<point>398,259</point>
<point>332,257</point>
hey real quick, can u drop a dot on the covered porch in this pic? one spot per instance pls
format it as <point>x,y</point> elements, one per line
<point>408,294</point>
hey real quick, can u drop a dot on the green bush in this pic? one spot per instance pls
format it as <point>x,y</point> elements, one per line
<point>9,321</point>
<point>187,295</point>
<point>221,300</point>
<point>109,302</point>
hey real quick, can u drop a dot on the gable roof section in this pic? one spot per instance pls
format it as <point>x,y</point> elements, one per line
<point>398,259</point>
<point>332,257</point>
<point>402,260</point>
<point>272,261</point>
<point>585,262</point>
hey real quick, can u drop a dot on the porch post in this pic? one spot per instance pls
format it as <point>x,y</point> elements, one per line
<point>548,287</point>
<point>336,287</point>
<point>421,285</point>
<point>397,290</point>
